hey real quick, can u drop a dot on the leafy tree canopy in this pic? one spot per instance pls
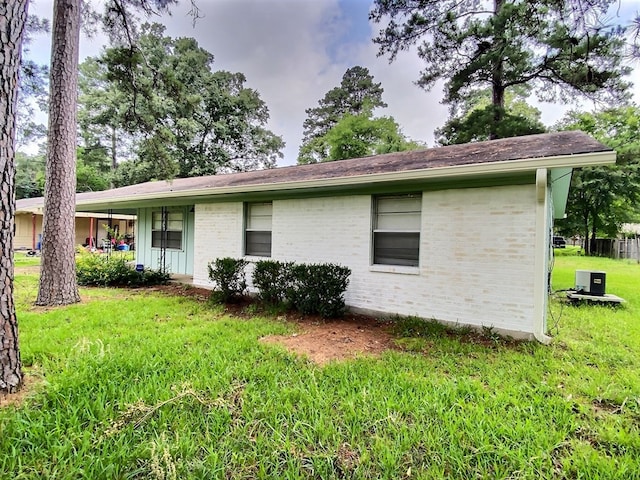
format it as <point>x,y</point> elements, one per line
<point>101,114</point>
<point>359,135</point>
<point>185,119</point>
<point>602,198</point>
<point>92,169</point>
<point>92,172</point>
<point>29,175</point>
<point>558,47</point>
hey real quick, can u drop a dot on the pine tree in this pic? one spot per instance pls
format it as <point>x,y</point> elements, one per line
<point>557,47</point>
<point>12,27</point>
<point>357,94</point>
<point>470,119</point>
<point>58,266</point>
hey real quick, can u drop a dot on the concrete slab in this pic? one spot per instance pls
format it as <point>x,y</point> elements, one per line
<point>606,298</point>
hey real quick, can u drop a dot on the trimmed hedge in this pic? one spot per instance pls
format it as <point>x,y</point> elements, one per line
<point>114,271</point>
<point>228,275</point>
<point>312,289</point>
<point>309,288</point>
<point>319,289</point>
<point>273,280</point>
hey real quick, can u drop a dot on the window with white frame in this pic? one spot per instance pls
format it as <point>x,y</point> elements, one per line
<point>166,229</point>
<point>257,234</point>
<point>396,229</point>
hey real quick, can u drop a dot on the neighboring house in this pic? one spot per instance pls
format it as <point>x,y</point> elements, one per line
<point>460,234</point>
<point>90,227</point>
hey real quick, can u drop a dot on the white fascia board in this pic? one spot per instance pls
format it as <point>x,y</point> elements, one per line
<point>452,172</point>
<point>114,216</point>
<point>36,210</point>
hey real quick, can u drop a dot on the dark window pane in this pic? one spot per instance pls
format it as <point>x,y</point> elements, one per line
<point>156,238</point>
<point>396,248</point>
<point>172,240</point>
<point>258,243</point>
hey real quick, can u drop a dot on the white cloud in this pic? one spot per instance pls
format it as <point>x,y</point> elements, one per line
<point>280,46</point>
<point>417,111</point>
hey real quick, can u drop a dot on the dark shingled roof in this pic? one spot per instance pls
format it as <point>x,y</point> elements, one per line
<point>517,148</point>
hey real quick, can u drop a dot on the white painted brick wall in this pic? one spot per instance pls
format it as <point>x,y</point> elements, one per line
<point>476,252</point>
<point>218,233</point>
<point>478,256</point>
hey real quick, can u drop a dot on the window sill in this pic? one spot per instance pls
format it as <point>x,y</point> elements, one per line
<point>255,258</point>
<point>402,270</point>
<point>167,249</point>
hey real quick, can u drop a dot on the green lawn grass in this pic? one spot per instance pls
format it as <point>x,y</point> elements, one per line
<point>21,259</point>
<point>568,250</point>
<point>140,385</point>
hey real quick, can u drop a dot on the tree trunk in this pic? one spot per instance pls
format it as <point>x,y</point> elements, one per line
<point>585,241</point>
<point>593,248</point>
<point>498,105</point>
<point>497,84</point>
<point>13,17</point>
<point>114,162</point>
<point>58,268</point>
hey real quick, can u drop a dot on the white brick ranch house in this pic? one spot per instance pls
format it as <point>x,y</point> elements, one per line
<point>460,234</point>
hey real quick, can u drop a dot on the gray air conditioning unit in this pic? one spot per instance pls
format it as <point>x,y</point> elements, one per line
<point>590,282</point>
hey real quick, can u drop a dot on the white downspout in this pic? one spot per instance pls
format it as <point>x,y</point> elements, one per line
<point>541,257</point>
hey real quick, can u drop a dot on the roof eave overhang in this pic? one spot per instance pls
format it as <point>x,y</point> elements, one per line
<point>480,170</point>
<point>32,210</point>
<point>79,214</point>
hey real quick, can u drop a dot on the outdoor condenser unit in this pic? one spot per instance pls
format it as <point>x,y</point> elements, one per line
<point>590,282</point>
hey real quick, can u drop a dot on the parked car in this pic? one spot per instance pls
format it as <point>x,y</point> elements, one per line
<point>559,242</point>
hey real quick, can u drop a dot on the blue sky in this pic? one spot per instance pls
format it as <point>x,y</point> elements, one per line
<point>357,30</point>
<point>294,51</point>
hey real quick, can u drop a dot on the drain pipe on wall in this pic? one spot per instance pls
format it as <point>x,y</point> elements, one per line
<point>541,258</point>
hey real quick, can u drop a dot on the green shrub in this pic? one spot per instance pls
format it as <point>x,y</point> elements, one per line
<point>310,289</point>
<point>114,271</point>
<point>272,279</point>
<point>318,288</point>
<point>229,276</point>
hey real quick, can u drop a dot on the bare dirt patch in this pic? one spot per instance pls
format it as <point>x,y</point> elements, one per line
<point>323,341</point>
<point>182,290</point>
<point>30,384</point>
